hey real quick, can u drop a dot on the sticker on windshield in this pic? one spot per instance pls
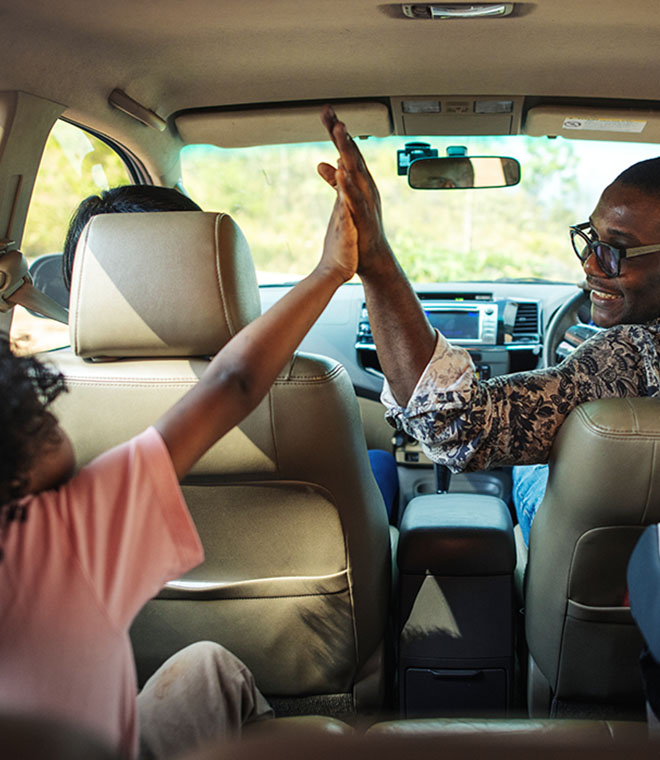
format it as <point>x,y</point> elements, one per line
<point>605,125</point>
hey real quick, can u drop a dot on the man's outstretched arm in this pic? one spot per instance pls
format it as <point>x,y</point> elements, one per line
<point>403,336</point>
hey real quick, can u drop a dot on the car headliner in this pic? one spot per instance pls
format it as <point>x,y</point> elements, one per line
<point>172,55</point>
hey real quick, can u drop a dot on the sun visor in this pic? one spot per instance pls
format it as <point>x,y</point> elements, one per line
<point>575,122</point>
<point>275,126</point>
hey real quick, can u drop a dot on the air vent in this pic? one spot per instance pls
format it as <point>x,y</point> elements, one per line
<point>527,320</point>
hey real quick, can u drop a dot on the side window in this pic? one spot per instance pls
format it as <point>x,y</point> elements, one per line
<point>74,165</point>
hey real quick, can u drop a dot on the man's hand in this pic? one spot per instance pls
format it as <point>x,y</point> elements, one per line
<point>361,194</point>
<point>403,336</point>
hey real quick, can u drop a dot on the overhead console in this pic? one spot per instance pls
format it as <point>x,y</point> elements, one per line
<point>457,115</point>
<point>501,335</point>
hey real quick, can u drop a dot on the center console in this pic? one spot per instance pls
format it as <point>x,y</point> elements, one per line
<point>455,619</point>
<point>502,336</point>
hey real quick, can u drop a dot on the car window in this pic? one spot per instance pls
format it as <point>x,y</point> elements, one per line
<point>74,165</point>
<point>276,196</point>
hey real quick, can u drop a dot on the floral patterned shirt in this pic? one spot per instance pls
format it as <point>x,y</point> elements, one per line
<point>471,424</point>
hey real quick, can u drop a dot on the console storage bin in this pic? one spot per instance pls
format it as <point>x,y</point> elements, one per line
<point>456,558</point>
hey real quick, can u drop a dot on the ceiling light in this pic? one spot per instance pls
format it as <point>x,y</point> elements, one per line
<point>483,10</point>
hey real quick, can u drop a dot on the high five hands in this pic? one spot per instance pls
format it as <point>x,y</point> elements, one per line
<point>358,190</point>
<point>403,336</point>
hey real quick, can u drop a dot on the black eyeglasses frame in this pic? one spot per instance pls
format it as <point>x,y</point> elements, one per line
<point>594,246</point>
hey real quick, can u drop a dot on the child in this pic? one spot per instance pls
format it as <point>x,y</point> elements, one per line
<point>82,553</point>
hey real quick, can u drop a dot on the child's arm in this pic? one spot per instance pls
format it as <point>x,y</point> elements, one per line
<point>242,372</point>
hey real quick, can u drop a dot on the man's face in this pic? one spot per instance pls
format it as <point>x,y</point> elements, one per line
<point>626,217</point>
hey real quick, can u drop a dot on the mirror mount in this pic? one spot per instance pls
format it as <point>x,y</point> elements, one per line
<point>411,152</point>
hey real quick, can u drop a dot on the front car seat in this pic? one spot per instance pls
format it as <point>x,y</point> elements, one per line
<point>603,489</point>
<point>644,592</point>
<point>297,573</point>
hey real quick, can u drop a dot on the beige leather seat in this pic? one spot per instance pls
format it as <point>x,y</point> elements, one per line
<point>297,573</point>
<point>604,487</point>
<point>37,737</point>
<point>593,741</point>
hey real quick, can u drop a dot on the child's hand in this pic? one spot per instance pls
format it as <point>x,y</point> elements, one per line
<point>340,248</point>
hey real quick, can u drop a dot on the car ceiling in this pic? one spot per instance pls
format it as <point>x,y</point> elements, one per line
<point>178,54</point>
<point>174,55</point>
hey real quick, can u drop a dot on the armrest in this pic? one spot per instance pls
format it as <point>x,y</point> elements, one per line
<point>456,534</point>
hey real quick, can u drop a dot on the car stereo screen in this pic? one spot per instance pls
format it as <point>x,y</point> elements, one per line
<point>459,324</point>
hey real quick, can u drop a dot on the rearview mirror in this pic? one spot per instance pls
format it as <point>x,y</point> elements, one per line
<point>453,172</point>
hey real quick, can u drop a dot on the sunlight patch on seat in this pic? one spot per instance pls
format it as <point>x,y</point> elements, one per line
<point>430,614</point>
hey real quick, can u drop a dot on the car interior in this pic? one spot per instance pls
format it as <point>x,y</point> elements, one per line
<point>434,622</point>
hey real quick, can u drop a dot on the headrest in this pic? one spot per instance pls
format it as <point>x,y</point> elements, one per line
<point>173,283</point>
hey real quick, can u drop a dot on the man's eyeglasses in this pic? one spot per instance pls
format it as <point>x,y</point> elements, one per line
<point>607,256</point>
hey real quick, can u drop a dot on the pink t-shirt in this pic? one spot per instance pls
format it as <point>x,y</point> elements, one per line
<point>74,575</point>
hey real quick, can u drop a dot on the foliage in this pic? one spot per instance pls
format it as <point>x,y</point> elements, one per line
<point>74,165</point>
<point>276,196</point>
<point>282,205</point>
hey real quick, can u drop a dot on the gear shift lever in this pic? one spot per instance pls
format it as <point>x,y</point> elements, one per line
<point>442,477</point>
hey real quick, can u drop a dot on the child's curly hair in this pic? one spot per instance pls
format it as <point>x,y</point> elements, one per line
<point>27,388</point>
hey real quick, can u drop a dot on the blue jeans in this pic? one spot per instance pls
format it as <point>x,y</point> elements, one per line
<point>529,482</point>
<point>383,466</point>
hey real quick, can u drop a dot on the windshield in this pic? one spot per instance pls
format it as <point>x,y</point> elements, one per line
<point>282,205</point>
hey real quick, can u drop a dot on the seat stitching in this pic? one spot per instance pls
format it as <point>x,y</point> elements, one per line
<point>78,294</point>
<point>312,379</point>
<point>273,432</point>
<point>118,383</point>
<point>280,596</point>
<point>647,502</point>
<point>218,272</point>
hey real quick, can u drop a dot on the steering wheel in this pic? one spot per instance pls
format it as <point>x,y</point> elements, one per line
<point>567,315</point>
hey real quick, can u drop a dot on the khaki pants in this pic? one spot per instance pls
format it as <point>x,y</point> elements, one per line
<point>201,693</point>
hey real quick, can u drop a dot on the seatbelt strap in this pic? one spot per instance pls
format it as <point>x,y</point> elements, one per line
<point>16,288</point>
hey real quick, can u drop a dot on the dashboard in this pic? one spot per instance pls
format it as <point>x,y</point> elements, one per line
<point>488,328</point>
<point>500,323</point>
